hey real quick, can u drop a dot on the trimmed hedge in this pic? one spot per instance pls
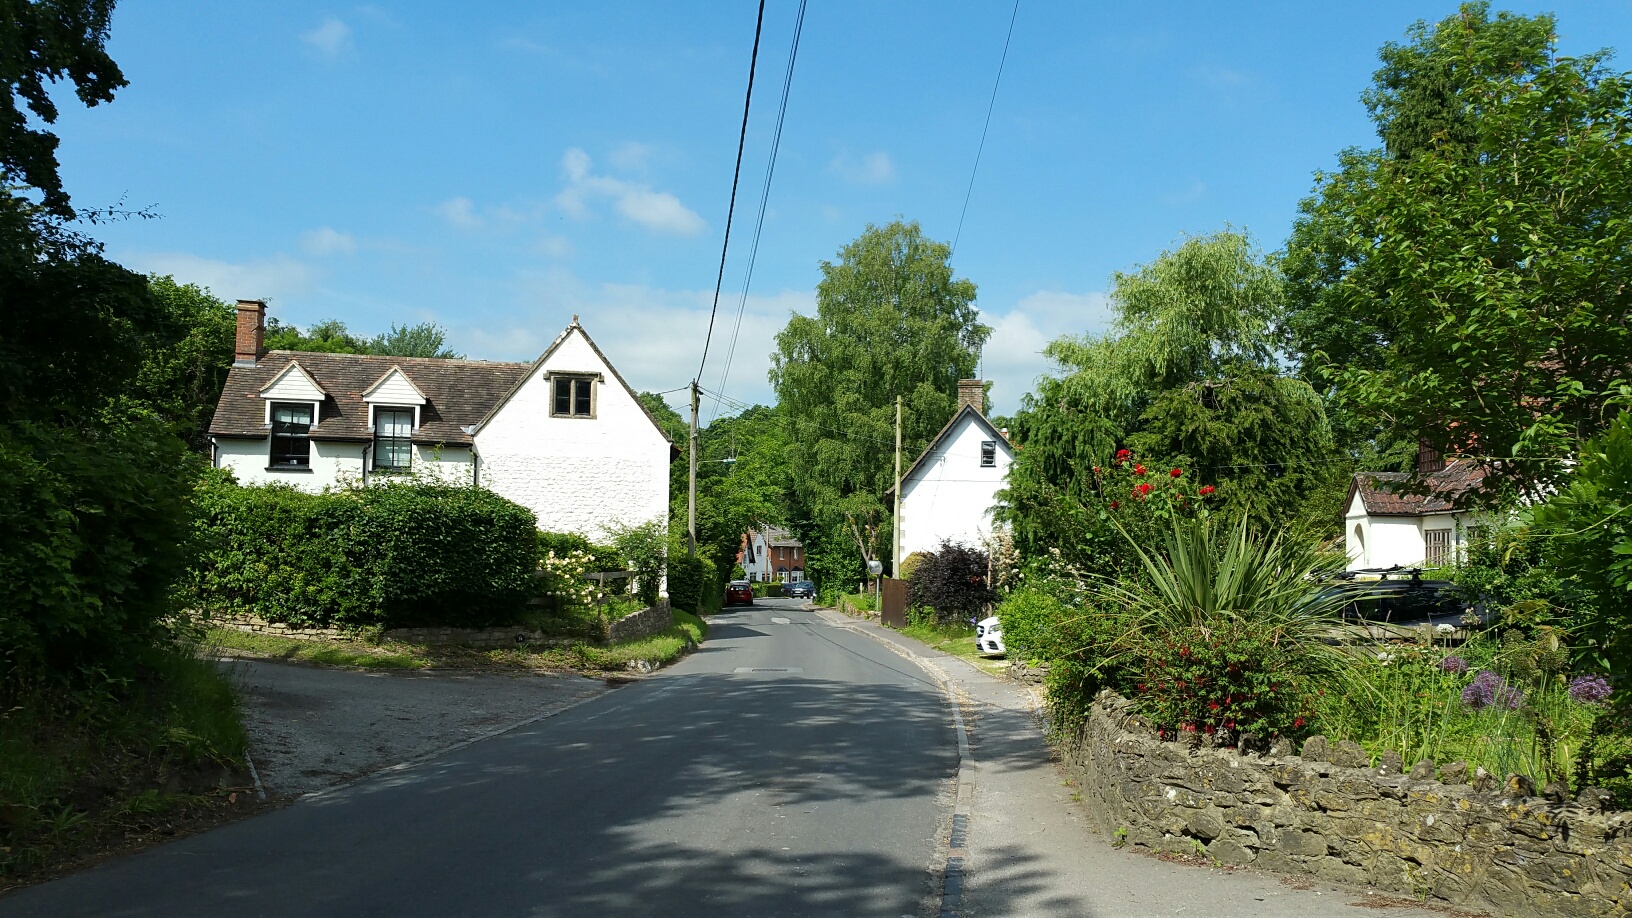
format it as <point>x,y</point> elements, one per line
<point>767,588</point>
<point>689,576</point>
<point>393,555</point>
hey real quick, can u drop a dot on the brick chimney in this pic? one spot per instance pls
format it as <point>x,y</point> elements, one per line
<point>1429,460</point>
<point>972,392</point>
<point>250,345</point>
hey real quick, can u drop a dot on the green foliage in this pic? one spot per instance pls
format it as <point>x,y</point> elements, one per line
<point>766,590</point>
<point>181,381</point>
<point>45,42</point>
<point>331,336</point>
<point>909,565</point>
<point>644,549</point>
<point>96,531</point>
<point>1587,528</point>
<point>603,557</point>
<point>1231,677</point>
<point>388,555</point>
<point>1469,288</point>
<point>891,320</point>
<point>952,581</point>
<point>1036,624</point>
<point>689,578</point>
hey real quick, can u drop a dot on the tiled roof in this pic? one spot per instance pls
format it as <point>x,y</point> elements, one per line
<point>458,393</point>
<point>1392,493</point>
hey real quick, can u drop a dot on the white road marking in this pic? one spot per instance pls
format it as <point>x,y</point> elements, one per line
<point>779,621</point>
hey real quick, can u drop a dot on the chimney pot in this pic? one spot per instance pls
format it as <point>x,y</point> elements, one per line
<point>972,392</point>
<point>250,345</point>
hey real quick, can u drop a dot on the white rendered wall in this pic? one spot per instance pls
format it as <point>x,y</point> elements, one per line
<point>951,496</point>
<point>577,474</point>
<point>331,463</point>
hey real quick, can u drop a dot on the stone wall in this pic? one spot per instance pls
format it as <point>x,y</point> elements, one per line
<point>1451,836</point>
<point>645,623</point>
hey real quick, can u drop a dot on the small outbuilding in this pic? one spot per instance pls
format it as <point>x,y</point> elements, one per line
<point>1400,519</point>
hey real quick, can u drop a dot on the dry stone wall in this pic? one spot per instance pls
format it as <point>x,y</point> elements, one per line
<point>1452,836</point>
<point>645,623</point>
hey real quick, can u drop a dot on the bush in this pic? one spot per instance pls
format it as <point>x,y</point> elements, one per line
<point>389,555</point>
<point>910,563</point>
<point>602,557</point>
<point>1234,678</point>
<point>644,550</point>
<point>1034,623</point>
<point>95,524</point>
<point>952,581</point>
<point>689,577</point>
<point>767,589</point>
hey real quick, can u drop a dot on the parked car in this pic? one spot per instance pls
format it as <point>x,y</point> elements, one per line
<point>739,592</point>
<point>989,637</point>
<point>1398,595</point>
<point>800,589</point>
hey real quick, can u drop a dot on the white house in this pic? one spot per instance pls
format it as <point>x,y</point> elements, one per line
<point>1388,522</point>
<point>950,492</point>
<point>564,436</point>
<point>772,554</point>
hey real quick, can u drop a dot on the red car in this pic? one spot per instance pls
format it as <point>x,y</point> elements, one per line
<point>739,592</point>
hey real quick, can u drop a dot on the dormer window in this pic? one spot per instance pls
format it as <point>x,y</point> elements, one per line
<point>291,435</point>
<point>572,396</point>
<point>393,448</point>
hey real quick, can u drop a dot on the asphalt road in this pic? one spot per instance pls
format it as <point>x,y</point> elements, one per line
<point>788,768</point>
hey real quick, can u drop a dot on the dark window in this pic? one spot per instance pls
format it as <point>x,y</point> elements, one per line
<point>574,397</point>
<point>291,435</point>
<point>988,454</point>
<point>392,429</point>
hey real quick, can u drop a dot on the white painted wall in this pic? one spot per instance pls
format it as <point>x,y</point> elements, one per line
<point>577,474</point>
<point>331,463</point>
<point>1386,541</point>
<point>951,496</point>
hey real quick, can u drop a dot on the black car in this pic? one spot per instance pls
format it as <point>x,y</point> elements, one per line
<point>800,589</point>
<point>1399,595</point>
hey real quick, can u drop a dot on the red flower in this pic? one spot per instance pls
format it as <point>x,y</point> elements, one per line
<point>1205,490</point>
<point>1115,504</point>
<point>1138,469</point>
<point>1122,456</point>
<point>1142,489</point>
<point>1097,470</point>
<point>1297,723</point>
<point>1212,705</point>
<point>1176,472</point>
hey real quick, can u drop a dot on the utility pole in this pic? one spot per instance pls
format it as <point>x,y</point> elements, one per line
<point>691,479</point>
<point>895,527</point>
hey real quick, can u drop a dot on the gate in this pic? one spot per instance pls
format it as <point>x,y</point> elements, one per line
<point>894,607</point>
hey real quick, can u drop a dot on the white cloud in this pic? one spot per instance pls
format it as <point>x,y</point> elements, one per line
<point>631,156</point>
<point>1013,356</point>
<point>558,247</point>
<point>872,169</point>
<point>328,241</point>
<point>658,211</point>
<point>331,38</point>
<point>259,278</point>
<point>460,212</point>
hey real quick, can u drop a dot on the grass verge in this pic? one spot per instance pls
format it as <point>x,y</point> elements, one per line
<point>659,649</point>
<point>117,763</point>
<point>958,640</point>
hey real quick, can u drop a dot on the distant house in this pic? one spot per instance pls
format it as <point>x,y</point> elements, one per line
<point>771,554</point>
<point>950,492</point>
<point>564,435</point>
<point>1388,522</point>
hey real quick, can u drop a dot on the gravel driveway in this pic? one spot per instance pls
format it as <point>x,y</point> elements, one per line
<point>310,728</point>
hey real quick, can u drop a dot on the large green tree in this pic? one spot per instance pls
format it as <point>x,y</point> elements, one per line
<point>1469,283</point>
<point>181,380</point>
<point>331,336</point>
<point>891,320</point>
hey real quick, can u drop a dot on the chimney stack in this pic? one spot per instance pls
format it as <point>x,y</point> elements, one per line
<point>972,392</point>
<point>250,345</point>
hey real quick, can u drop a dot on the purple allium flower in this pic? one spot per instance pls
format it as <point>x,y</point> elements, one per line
<point>1453,664</point>
<point>1488,689</point>
<point>1589,689</point>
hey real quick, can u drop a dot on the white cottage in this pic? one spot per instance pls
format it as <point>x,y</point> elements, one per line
<point>951,491</point>
<point>564,436</point>
<point>1391,521</point>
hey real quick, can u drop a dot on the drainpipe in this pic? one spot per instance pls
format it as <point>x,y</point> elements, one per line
<point>364,458</point>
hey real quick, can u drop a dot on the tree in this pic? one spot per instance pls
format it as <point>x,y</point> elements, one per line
<point>1189,378</point>
<point>1472,289</point>
<point>891,320</point>
<point>42,42</point>
<point>182,381</point>
<point>427,339</point>
<point>331,336</point>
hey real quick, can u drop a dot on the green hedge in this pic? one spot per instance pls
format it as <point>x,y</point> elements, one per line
<point>767,589</point>
<point>689,577</point>
<point>564,543</point>
<point>393,555</point>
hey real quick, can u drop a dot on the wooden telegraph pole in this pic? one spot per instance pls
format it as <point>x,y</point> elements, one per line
<point>691,481</point>
<point>895,528</point>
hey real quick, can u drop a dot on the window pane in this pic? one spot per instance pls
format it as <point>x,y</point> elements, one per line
<point>580,405</point>
<point>563,396</point>
<point>393,423</point>
<point>988,453</point>
<point>289,416</point>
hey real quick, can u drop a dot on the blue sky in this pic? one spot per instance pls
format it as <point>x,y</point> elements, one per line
<point>499,167</point>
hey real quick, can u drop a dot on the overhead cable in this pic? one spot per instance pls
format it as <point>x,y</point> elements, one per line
<point>989,106</point>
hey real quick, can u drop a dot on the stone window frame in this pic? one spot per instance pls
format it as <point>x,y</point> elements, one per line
<point>594,380</point>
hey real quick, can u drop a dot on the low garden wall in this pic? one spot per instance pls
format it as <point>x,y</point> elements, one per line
<point>645,623</point>
<point>1447,835</point>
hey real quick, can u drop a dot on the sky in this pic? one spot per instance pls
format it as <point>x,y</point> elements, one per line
<point>498,168</point>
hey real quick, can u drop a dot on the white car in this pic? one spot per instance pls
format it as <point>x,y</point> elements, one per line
<point>989,637</point>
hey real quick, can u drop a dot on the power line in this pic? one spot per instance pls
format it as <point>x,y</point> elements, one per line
<point>742,139</point>
<point>764,200</point>
<point>989,106</point>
